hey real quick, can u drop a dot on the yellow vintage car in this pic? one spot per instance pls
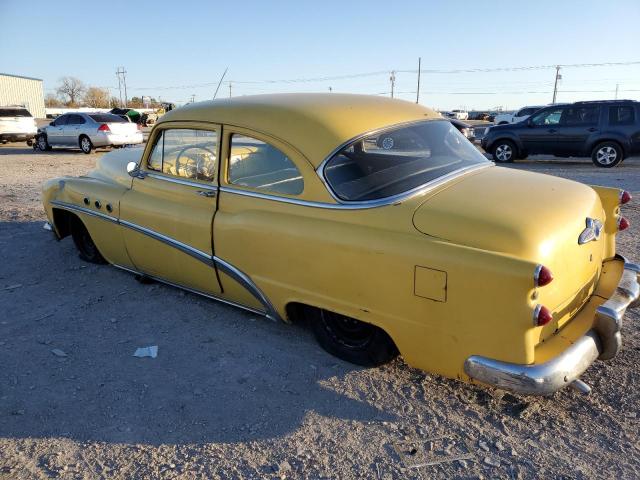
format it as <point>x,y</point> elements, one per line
<point>375,220</point>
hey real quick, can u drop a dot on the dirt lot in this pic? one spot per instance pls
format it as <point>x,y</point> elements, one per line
<point>233,396</point>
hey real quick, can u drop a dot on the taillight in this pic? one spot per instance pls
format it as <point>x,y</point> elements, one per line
<point>541,315</point>
<point>623,224</point>
<point>625,197</point>
<point>104,128</point>
<point>542,276</point>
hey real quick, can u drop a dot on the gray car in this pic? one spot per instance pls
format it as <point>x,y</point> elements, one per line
<point>87,131</point>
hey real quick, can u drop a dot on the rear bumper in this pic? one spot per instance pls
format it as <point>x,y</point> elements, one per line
<point>105,139</point>
<point>602,341</point>
<point>17,137</point>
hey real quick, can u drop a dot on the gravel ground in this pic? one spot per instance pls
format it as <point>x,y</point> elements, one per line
<point>234,396</point>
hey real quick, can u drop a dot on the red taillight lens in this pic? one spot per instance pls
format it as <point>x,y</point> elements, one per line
<point>623,224</point>
<point>104,128</point>
<point>541,315</point>
<point>542,276</point>
<point>625,197</point>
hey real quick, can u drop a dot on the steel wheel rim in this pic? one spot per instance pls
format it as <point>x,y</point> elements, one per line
<point>504,152</point>
<point>42,143</point>
<point>85,144</point>
<point>348,332</point>
<point>606,155</point>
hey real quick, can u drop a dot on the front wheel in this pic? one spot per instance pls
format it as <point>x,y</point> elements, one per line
<point>42,143</point>
<point>352,340</point>
<point>607,155</point>
<point>504,151</point>
<point>85,145</point>
<point>84,243</point>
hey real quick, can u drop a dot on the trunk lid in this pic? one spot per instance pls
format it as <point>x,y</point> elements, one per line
<point>530,216</point>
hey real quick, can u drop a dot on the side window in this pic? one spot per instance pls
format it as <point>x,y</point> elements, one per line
<point>548,117</point>
<point>621,115</point>
<point>575,116</point>
<point>186,153</point>
<point>60,121</point>
<point>75,120</point>
<point>257,164</point>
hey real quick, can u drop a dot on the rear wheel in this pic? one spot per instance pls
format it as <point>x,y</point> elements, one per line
<point>504,151</point>
<point>352,340</point>
<point>84,243</point>
<point>607,154</point>
<point>85,144</point>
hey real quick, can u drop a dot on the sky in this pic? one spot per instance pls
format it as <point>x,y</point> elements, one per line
<point>178,50</point>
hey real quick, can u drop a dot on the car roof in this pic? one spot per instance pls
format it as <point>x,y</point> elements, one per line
<point>314,123</point>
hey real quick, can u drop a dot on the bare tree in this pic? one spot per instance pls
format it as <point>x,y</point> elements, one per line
<point>72,89</point>
<point>96,97</point>
<point>115,102</point>
<point>52,101</point>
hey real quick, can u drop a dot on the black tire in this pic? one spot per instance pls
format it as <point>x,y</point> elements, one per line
<point>352,340</point>
<point>84,243</point>
<point>504,151</point>
<point>42,143</point>
<point>85,144</point>
<point>607,155</point>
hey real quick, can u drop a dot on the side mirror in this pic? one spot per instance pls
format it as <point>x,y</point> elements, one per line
<point>134,170</point>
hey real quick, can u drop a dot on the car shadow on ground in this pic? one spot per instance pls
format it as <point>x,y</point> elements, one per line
<point>67,338</point>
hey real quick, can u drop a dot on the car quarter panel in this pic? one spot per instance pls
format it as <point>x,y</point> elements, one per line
<point>362,264</point>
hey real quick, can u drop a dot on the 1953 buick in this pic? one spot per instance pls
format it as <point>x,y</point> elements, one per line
<point>377,221</point>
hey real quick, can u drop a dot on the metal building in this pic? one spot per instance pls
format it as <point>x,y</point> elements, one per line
<point>25,91</point>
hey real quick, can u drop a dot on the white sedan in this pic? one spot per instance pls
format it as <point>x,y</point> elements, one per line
<point>87,131</point>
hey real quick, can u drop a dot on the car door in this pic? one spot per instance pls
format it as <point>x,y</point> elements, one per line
<point>71,131</point>
<point>578,123</point>
<point>55,130</point>
<point>168,213</point>
<point>539,135</point>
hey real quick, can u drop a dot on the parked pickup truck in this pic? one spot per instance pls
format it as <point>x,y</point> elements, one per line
<point>520,115</point>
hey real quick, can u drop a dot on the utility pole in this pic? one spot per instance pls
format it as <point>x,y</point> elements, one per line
<point>123,72</point>
<point>555,86</point>
<point>119,85</point>
<point>418,90</point>
<point>392,78</point>
<point>616,97</point>
<point>229,89</point>
<point>193,98</point>
<point>330,89</point>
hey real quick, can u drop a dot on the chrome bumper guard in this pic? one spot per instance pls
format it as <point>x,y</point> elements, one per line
<point>602,342</point>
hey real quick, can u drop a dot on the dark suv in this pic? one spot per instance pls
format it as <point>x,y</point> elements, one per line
<point>609,131</point>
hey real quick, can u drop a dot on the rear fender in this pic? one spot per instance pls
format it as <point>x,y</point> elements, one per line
<point>610,198</point>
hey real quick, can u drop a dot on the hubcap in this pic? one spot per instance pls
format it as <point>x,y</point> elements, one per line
<point>42,143</point>
<point>85,144</point>
<point>504,152</point>
<point>606,155</point>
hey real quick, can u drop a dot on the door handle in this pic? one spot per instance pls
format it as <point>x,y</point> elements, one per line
<point>552,130</point>
<point>206,193</point>
<point>592,129</point>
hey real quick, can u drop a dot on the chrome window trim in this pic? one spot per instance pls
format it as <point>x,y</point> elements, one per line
<point>179,181</point>
<point>209,260</point>
<point>400,196</point>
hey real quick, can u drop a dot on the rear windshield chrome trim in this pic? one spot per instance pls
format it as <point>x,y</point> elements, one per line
<point>400,196</point>
<point>342,205</point>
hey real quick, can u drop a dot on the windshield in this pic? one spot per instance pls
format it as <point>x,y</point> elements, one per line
<point>107,118</point>
<point>398,160</point>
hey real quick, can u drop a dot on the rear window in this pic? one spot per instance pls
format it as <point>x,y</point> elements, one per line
<point>622,115</point>
<point>14,112</point>
<point>107,118</point>
<point>398,160</point>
